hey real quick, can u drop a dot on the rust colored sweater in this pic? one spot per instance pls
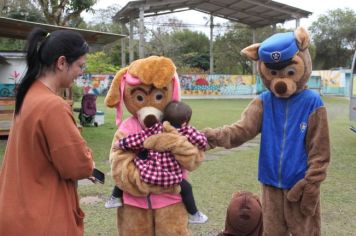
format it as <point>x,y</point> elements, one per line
<point>44,157</point>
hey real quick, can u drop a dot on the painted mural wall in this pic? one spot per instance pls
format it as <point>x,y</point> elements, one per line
<point>94,84</point>
<point>193,85</point>
<point>334,81</point>
<point>217,85</point>
<point>11,73</point>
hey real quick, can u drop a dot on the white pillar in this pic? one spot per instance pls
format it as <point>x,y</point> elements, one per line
<point>297,22</point>
<point>211,44</point>
<point>141,51</point>
<point>274,28</point>
<point>123,47</point>
<point>131,51</point>
<point>254,41</point>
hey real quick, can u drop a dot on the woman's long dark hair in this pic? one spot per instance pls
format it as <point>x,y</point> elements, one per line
<point>43,50</point>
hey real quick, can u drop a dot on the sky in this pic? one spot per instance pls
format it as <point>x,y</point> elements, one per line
<point>318,7</point>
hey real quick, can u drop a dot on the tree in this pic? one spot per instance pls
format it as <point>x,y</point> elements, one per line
<point>99,62</point>
<point>334,36</point>
<point>159,32</point>
<point>102,20</point>
<point>21,10</point>
<point>191,48</point>
<point>228,46</point>
<point>62,12</point>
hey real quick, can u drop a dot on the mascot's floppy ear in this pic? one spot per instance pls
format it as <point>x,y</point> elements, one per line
<point>303,39</point>
<point>113,96</point>
<point>251,52</point>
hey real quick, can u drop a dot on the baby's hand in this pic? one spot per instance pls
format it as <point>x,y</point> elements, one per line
<point>116,146</point>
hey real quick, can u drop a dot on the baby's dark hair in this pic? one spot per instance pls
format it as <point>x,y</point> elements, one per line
<point>177,113</point>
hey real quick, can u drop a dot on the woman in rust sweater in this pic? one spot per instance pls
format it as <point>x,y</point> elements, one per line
<point>45,153</point>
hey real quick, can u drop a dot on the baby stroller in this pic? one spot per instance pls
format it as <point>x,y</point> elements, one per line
<point>88,110</point>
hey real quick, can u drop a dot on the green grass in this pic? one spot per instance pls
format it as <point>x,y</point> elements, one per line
<point>216,180</point>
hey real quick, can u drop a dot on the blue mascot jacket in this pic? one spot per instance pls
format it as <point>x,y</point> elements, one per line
<point>283,155</point>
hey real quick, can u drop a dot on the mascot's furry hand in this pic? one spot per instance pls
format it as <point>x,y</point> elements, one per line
<point>308,193</point>
<point>185,153</point>
<point>127,176</point>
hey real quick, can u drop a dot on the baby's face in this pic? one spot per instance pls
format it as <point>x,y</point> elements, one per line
<point>184,124</point>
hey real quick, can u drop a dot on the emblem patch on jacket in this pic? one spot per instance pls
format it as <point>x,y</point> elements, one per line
<point>303,127</point>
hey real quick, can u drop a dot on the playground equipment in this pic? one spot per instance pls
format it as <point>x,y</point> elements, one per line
<point>353,93</point>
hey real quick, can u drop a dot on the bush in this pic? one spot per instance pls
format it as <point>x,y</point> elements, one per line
<point>99,63</point>
<point>77,93</point>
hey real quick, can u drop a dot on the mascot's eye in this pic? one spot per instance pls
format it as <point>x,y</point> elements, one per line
<point>273,72</point>
<point>291,72</point>
<point>158,96</point>
<point>140,98</point>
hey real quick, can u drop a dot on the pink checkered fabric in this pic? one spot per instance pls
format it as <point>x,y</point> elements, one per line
<point>160,168</point>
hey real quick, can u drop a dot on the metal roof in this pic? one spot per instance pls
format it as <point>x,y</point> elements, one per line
<point>19,29</point>
<point>254,13</point>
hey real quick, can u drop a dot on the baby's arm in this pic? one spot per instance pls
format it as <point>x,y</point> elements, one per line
<point>132,142</point>
<point>135,141</point>
<point>194,137</point>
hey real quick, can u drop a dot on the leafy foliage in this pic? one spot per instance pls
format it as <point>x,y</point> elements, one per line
<point>64,11</point>
<point>99,63</point>
<point>228,46</point>
<point>334,35</point>
<point>191,49</point>
<point>77,92</point>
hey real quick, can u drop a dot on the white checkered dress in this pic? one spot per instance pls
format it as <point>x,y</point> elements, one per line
<point>160,168</point>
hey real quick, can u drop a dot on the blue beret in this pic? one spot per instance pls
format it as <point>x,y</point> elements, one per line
<point>278,48</point>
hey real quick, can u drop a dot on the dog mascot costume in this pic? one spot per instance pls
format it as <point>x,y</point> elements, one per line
<point>144,88</point>
<point>294,150</point>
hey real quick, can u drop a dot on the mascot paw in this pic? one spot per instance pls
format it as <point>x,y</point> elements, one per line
<point>164,141</point>
<point>296,192</point>
<point>310,199</point>
<point>168,128</point>
<point>210,136</point>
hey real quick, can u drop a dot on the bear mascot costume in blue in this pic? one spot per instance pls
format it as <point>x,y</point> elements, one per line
<point>292,120</point>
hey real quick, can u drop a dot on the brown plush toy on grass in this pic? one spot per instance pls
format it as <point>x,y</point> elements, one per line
<point>243,216</point>
<point>292,120</point>
<point>145,88</point>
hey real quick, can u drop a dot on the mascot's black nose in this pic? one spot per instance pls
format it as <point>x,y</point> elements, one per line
<point>280,87</point>
<point>150,120</point>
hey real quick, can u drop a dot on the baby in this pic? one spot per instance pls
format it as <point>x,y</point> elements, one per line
<point>161,168</point>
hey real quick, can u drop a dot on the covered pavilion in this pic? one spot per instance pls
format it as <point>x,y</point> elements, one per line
<point>254,13</point>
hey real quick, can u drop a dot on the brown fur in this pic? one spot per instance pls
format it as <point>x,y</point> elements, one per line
<point>156,74</point>
<point>302,67</point>
<point>172,221</point>
<point>133,104</point>
<point>127,176</point>
<point>178,145</point>
<point>290,219</point>
<point>243,216</point>
<point>296,211</point>
<point>307,190</point>
<point>113,96</point>
<point>234,135</point>
<point>154,70</point>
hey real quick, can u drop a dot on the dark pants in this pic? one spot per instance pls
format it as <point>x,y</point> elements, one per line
<point>186,192</point>
<point>187,197</point>
<point>116,192</point>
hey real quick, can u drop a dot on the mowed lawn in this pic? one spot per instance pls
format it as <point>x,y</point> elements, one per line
<point>225,172</point>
